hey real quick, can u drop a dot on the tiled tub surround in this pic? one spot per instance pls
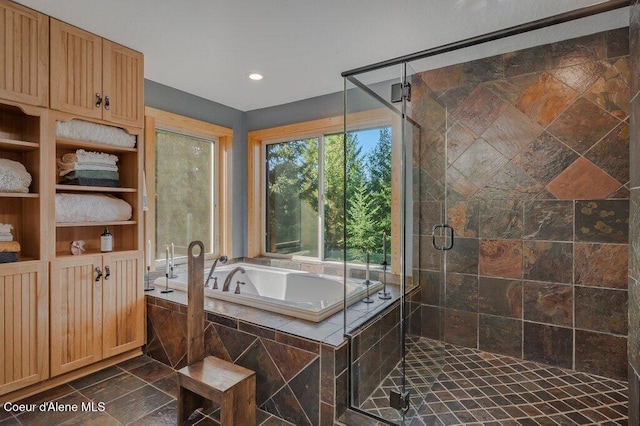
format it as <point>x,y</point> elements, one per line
<point>634,219</point>
<point>537,186</point>
<point>301,366</point>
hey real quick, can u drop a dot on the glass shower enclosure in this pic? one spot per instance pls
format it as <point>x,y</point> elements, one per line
<point>397,355</point>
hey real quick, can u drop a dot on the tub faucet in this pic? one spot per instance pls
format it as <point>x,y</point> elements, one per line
<point>227,281</point>
<point>223,260</point>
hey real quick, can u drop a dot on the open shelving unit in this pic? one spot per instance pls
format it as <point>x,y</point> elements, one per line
<point>20,140</point>
<point>126,232</point>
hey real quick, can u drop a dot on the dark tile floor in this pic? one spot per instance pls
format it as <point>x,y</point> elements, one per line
<point>140,391</point>
<point>469,387</point>
<point>474,387</point>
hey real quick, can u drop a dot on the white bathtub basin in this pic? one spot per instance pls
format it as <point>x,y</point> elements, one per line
<point>300,294</point>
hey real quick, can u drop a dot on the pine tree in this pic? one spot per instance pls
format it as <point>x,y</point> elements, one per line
<point>379,185</point>
<point>361,229</point>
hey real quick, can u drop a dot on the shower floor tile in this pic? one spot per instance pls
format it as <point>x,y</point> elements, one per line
<point>451,385</point>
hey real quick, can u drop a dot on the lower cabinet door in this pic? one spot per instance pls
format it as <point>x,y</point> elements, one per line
<point>123,302</point>
<point>76,313</point>
<point>24,325</point>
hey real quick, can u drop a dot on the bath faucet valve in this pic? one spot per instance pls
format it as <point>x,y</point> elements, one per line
<point>238,284</point>
<point>215,283</point>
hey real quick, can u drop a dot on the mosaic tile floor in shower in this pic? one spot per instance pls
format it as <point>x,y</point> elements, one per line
<point>474,387</point>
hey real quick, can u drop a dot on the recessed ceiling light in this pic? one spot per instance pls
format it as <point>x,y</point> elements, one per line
<point>255,76</point>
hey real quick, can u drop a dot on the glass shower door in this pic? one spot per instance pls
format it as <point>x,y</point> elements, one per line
<point>389,374</point>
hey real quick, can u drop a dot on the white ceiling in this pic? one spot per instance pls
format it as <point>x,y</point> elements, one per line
<point>208,47</point>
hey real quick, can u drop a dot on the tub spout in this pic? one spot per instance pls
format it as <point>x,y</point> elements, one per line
<point>223,260</point>
<point>227,281</point>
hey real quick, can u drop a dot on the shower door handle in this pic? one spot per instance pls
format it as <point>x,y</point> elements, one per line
<point>446,246</point>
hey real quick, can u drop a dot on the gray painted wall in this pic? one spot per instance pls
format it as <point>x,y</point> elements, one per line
<point>308,109</point>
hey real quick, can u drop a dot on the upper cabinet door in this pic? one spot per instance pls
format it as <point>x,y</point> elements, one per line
<point>76,70</point>
<point>123,84</point>
<point>24,56</point>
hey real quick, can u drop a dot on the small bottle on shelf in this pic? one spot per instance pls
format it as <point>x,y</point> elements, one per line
<point>106,241</point>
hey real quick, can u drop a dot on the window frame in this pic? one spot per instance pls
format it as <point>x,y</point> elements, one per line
<point>256,207</point>
<point>156,119</point>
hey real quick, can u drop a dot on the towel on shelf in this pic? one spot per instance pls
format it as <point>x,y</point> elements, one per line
<point>82,156</point>
<point>78,208</point>
<point>13,176</point>
<point>5,238</point>
<point>103,178</point>
<point>65,168</point>
<point>9,246</point>
<point>5,228</point>
<point>88,161</point>
<point>101,133</point>
<point>8,257</point>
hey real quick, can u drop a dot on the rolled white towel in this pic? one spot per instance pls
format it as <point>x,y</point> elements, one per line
<point>77,208</point>
<point>13,176</point>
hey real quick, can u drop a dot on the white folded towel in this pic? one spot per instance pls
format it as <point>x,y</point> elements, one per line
<point>84,130</point>
<point>5,228</point>
<point>77,208</point>
<point>13,176</point>
<point>82,156</point>
<point>65,168</point>
<point>6,238</point>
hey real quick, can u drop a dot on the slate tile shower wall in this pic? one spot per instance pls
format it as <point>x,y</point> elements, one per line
<point>537,191</point>
<point>634,219</point>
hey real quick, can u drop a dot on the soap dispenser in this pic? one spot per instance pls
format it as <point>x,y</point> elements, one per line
<point>106,241</point>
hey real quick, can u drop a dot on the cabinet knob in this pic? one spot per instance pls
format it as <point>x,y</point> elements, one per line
<point>98,100</point>
<point>107,273</point>
<point>98,273</point>
<point>106,102</point>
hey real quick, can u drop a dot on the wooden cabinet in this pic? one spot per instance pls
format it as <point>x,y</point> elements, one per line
<point>96,309</point>
<point>57,315</point>
<point>94,77</point>
<point>122,303</point>
<point>24,326</point>
<point>76,313</point>
<point>24,54</point>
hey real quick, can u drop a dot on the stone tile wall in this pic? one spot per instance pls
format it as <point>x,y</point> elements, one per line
<point>537,190</point>
<point>298,380</point>
<point>634,219</point>
<point>375,352</point>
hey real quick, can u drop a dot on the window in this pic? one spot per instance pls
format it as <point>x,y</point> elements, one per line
<point>186,205</point>
<point>187,175</point>
<point>303,184</point>
<point>291,210</point>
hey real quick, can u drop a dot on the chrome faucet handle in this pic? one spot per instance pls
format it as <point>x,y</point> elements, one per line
<point>238,284</point>
<point>215,283</point>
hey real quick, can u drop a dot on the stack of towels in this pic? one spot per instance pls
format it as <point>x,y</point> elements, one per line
<point>87,168</point>
<point>9,249</point>
<point>13,176</point>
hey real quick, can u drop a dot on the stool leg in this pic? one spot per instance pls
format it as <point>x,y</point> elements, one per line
<point>188,402</point>
<point>239,405</point>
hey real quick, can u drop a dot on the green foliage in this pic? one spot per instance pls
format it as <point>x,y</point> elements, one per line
<point>183,191</point>
<point>292,195</point>
<point>362,226</point>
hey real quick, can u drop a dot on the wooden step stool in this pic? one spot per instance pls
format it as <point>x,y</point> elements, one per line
<point>232,386</point>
